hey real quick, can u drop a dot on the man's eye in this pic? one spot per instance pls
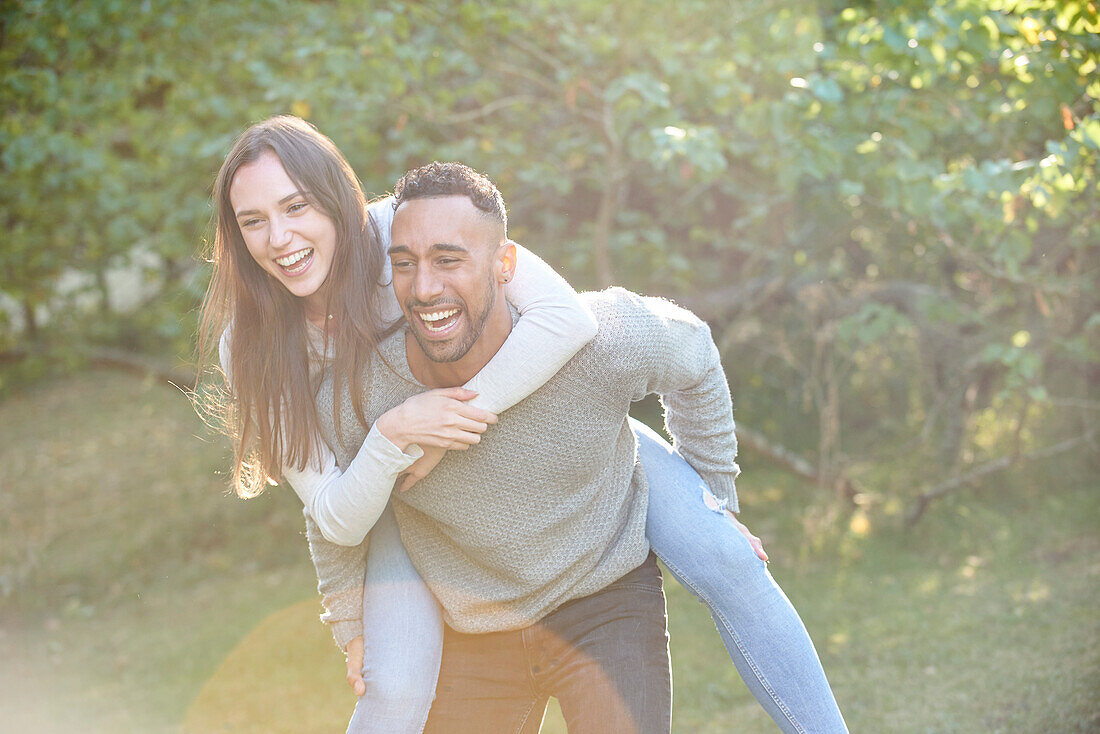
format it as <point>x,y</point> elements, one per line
<point>448,260</point>
<point>401,265</point>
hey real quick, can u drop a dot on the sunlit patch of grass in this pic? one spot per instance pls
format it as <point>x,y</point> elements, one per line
<point>284,676</point>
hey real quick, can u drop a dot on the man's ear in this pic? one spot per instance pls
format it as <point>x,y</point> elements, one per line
<point>506,261</point>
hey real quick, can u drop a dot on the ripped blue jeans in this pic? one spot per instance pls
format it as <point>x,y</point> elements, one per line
<point>701,547</point>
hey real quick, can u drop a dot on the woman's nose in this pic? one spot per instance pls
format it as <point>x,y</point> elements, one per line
<point>280,234</point>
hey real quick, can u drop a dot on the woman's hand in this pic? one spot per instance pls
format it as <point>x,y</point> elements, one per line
<point>421,467</point>
<point>755,542</point>
<point>440,418</point>
<point>354,653</point>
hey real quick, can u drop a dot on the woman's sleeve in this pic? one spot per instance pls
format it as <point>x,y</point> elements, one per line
<point>344,505</point>
<point>554,324</point>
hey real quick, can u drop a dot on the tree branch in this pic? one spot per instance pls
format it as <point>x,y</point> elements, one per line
<point>789,461</point>
<point>990,467</point>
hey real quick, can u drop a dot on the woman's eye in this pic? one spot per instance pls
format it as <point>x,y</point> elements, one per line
<point>249,223</point>
<point>297,207</point>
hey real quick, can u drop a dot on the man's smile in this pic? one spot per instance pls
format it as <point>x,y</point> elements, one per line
<point>438,321</point>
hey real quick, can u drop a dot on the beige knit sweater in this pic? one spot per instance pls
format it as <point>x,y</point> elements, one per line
<point>551,505</point>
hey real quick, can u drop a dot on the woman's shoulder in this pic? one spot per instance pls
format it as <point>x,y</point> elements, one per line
<point>381,213</point>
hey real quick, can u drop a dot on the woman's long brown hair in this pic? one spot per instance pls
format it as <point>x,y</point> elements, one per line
<point>270,414</point>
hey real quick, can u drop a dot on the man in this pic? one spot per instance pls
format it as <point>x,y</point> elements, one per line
<point>534,540</point>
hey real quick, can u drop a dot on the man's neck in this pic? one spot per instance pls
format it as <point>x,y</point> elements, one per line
<point>457,373</point>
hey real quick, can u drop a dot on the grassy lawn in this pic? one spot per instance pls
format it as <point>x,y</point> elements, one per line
<point>135,596</point>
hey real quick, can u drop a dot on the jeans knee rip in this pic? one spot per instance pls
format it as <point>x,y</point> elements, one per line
<point>713,503</point>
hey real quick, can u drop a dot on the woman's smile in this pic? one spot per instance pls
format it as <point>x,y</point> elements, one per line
<point>296,262</point>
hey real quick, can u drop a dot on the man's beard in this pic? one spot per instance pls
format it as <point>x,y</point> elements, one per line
<point>456,348</point>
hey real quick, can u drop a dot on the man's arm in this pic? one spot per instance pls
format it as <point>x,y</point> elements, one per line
<point>340,571</point>
<point>678,360</point>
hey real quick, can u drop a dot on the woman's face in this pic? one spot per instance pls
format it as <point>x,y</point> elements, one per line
<point>286,234</point>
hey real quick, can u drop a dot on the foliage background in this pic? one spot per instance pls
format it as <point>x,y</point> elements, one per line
<point>888,212</point>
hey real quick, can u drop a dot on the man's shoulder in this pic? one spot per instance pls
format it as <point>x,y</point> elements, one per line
<point>391,349</point>
<point>622,313</point>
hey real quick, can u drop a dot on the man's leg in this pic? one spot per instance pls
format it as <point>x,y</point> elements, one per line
<point>605,657</point>
<point>485,685</point>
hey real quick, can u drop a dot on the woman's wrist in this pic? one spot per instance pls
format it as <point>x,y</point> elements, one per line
<point>389,425</point>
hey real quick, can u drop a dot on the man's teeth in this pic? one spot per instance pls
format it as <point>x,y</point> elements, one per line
<point>288,260</point>
<point>438,315</point>
<point>430,318</point>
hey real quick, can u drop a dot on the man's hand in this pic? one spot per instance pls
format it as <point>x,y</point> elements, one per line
<point>421,467</point>
<point>755,542</point>
<point>354,653</point>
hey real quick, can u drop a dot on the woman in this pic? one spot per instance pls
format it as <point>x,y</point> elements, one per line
<point>293,250</point>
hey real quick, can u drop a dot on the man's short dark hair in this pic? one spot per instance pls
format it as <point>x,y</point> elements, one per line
<point>452,179</point>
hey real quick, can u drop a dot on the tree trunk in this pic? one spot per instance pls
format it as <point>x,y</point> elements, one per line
<point>605,220</point>
<point>30,322</point>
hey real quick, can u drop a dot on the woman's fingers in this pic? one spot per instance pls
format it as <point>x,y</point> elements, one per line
<point>458,393</point>
<point>755,542</point>
<point>758,546</point>
<point>421,467</point>
<point>464,442</point>
<point>469,425</point>
<point>469,412</point>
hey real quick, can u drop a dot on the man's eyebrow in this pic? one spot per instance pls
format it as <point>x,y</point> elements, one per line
<point>444,246</point>
<point>282,201</point>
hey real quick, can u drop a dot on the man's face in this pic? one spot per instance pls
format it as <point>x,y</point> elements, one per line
<point>446,272</point>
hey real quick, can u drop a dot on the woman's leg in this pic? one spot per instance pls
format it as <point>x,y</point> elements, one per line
<point>710,557</point>
<point>402,639</point>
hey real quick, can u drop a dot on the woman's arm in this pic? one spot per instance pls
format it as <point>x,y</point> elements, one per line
<point>344,505</point>
<point>553,326</point>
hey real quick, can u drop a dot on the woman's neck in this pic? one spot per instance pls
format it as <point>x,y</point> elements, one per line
<point>316,311</point>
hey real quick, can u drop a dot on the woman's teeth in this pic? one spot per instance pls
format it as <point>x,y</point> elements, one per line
<point>288,262</point>
<point>431,319</point>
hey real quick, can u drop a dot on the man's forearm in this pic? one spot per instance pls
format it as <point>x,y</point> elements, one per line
<point>700,421</point>
<point>340,570</point>
<point>686,371</point>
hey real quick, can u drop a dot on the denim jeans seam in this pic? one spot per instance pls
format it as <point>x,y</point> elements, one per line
<point>715,610</point>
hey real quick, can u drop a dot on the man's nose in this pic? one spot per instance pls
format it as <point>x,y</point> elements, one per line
<point>426,285</point>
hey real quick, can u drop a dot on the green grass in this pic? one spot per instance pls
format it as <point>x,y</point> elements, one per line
<point>135,596</point>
